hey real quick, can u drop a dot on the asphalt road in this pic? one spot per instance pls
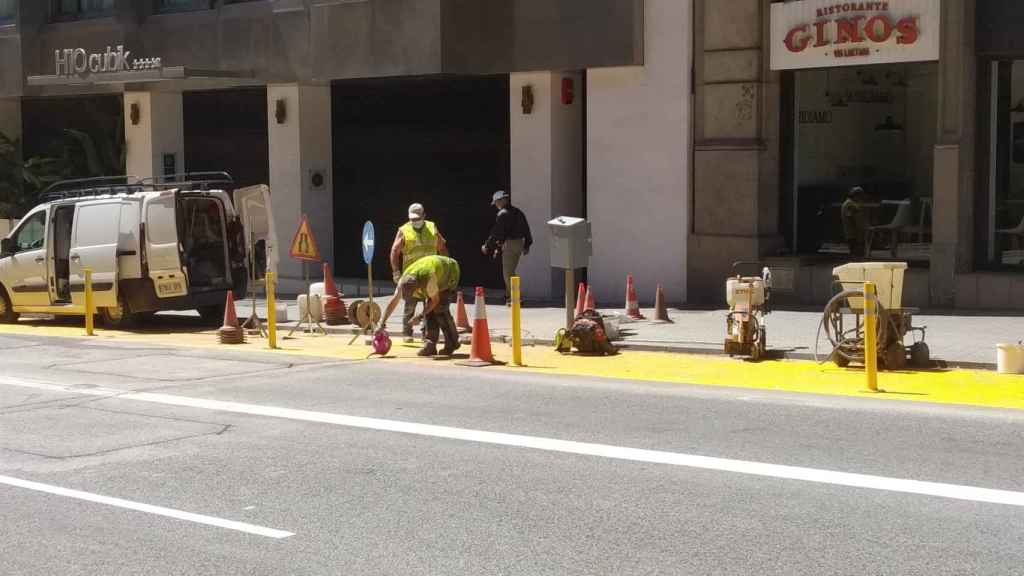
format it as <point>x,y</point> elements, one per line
<point>153,461</point>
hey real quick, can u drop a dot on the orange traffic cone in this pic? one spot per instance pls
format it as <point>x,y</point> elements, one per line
<point>581,299</point>
<point>231,332</point>
<point>461,318</point>
<point>330,288</point>
<point>480,351</point>
<point>632,305</point>
<point>590,300</point>
<point>660,311</point>
<point>334,308</point>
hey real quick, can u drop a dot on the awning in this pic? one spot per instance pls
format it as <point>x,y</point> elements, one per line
<point>134,76</point>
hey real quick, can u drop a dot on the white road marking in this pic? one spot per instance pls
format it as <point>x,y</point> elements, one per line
<point>884,483</point>
<point>148,508</point>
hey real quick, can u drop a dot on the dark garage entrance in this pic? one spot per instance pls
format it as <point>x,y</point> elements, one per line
<point>226,130</point>
<point>440,141</point>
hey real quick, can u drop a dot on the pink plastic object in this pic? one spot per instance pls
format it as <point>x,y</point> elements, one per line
<point>381,343</point>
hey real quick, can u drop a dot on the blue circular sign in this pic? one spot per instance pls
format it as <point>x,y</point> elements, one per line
<point>368,242</point>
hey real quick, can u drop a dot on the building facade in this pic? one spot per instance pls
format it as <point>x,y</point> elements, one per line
<point>919,102</point>
<point>351,110</point>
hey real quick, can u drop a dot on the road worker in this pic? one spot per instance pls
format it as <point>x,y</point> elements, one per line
<point>432,279</point>
<point>415,239</point>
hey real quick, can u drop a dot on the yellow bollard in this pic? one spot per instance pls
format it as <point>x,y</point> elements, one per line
<point>517,337</point>
<point>271,312</point>
<point>89,311</point>
<point>871,335</point>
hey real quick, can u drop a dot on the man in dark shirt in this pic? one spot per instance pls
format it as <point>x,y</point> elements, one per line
<point>511,235</point>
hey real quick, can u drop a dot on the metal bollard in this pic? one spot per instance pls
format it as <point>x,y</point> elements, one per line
<point>871,335</point>
<point>517,337</point>
<point>271,312</point>
<point>89,309</point>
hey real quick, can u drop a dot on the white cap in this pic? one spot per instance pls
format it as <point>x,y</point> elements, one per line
<point>416,211</point>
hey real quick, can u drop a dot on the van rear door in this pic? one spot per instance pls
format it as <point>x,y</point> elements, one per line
<point>254,209</point>
<point>163,249</point>
<point>94,241</point>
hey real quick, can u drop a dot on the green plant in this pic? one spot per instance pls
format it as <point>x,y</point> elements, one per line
<point>21,180</point>
<point>75,154</point>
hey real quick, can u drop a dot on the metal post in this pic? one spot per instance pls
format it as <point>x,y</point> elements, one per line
<point>570,298</point>
<point>271,312</point>
<point>517,337</point>
<point>369,286</point>
<point>871,336</point>
<point>89,309</point>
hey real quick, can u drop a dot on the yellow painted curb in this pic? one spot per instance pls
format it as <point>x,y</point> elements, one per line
<point>969,387</point>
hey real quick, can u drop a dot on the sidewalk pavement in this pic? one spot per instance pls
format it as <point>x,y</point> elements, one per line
<point>958,340</point>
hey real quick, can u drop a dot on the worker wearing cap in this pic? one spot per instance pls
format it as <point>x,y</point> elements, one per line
<point>417,238</point>
<point>433,279</point>
<point>510,234</point>
<point>855,223</point>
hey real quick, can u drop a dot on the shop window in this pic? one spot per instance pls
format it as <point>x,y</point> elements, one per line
<point>183,5</point>
<point>79,9</point>
<point>8,11</point>
<point>1006,183</point>
<point>872,127</point>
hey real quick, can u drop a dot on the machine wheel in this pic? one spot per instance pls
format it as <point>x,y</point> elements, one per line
<point>212,315</point>
<point>894,357</point>
<point>117,317</point>
<point>7,313</point>
<point>920,355</point>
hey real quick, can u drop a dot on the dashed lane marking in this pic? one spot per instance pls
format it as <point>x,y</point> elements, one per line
<point>147,508</point>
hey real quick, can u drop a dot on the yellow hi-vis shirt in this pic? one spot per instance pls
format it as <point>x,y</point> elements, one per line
<point>434,274</point>
<point>418,243</point>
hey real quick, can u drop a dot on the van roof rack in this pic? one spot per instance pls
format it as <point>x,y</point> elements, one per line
<point>86,187</point>
<point>190,180</point>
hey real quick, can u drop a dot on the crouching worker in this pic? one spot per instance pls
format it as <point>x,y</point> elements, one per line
<point>433,279</point>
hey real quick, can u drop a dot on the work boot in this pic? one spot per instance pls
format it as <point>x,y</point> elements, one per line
<point>450,346</point>
<point>429,349</point>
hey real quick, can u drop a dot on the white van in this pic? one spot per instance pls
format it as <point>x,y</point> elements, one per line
<point>178,243</point>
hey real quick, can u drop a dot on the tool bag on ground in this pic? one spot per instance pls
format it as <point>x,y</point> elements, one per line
<point>587,335</point>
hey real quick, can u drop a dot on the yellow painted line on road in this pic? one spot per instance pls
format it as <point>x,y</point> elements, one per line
<point>968,387</point>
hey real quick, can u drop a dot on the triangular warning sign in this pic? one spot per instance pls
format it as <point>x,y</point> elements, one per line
<point>304,245</point>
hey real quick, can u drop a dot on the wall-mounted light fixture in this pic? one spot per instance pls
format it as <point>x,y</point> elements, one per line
<point>527,99</point>
<point>134,113</point>
<point>280,111</point>
<point>568,91</point>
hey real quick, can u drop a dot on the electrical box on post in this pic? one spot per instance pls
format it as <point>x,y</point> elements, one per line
<point>570,243</point>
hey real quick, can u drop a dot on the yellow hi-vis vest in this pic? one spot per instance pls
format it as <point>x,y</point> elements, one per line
<point>418,243</point>
<point>434,274</point>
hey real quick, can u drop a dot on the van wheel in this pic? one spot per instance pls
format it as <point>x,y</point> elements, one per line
<point>7,314</point>
<point>117,317</point>
<point>212,315</point>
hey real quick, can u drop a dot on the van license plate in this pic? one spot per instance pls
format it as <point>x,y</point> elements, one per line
<point>170,287</point>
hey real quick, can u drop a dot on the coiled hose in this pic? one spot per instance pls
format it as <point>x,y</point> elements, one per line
<point>848,344</point>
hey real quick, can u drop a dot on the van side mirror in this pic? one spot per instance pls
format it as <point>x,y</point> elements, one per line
<point>6,247</point>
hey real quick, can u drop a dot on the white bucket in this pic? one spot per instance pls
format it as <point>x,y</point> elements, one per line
<point>281,312</point>
<point>316,308</point>
<point>1010,358</point>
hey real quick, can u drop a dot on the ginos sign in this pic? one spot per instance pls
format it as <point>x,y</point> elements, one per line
<point>823,33</point>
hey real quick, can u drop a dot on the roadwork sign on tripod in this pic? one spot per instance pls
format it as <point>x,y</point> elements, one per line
<point>304,248</point>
